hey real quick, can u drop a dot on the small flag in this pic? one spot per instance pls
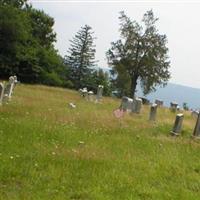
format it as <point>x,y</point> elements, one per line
<point>118,113</point>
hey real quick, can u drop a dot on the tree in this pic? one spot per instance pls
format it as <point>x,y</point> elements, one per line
<point>14,3</point>
<point>27,45</point>
<point>99,77</point>
<point>81,56</point>
<point>42,27</point>
<point>140,54</point>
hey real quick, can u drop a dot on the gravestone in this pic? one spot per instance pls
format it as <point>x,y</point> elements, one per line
<point>153,112</point>
<point>196,132</point>
<point>84,92</point>
<point>15,81</point>
<point>173,106</point>
<point>195,113</point>
<point>159,102</point>
<point>99,93</point>
<point>126,104</point>
<point>136,105</point>
<point>1,92</point>
<point>9,89</point>
<point>90,96</point>
<point>177,124</point>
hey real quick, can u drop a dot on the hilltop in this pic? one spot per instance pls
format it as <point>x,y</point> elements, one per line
<point>50,151</point>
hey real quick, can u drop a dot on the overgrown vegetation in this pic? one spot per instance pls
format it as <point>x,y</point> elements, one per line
<point>50,151</point>
<point>26,41</point>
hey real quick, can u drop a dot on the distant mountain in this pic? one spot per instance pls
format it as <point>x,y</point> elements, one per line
<point>177,93</point>
<point>174,92</point>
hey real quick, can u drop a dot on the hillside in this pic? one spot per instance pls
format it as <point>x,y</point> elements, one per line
<point>51,151</point>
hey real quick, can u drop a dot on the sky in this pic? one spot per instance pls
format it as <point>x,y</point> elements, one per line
<point>179,20</point>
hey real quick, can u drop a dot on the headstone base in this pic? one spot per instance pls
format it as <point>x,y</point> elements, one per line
<point>174,133</point>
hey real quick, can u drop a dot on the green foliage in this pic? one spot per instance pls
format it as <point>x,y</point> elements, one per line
<point>42,27</point>
<point>81,57</point>
<point>100,77</point>
<point>14,3</point>
<point>140,54</point>
<point>26,45</point>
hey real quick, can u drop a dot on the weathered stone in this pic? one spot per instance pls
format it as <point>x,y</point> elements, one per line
<point>136,105</point>
<point>196,132</point>
<point>177,124</point>
<point>84,92</point>
<point>126,104</point>
<point>90,96</point>
<point>9,89</point>
<point>99,93</point>
<point>159,102</point>
<point>173,106</point>
<point>15,81</point>
<point>153,112</point>
<point>195,113</point>
<point>1,92</point>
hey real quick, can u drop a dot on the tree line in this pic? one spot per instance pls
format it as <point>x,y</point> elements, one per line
<point>27,50</point>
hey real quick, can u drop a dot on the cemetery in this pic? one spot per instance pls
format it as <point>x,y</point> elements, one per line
<point>83,113</point>
<point>71,151</point>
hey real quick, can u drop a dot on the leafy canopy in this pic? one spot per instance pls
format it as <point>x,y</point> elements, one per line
<point>140,54</point>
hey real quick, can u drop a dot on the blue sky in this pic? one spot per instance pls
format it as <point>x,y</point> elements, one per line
<point>179,20</point>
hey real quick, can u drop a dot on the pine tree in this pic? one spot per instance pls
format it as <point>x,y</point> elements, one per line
<point>81,56</point>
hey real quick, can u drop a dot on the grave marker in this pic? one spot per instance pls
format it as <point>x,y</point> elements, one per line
<point>173,106</point>
<point>99,93</point>
<point>196,132</point>
<point>136,105</point>
<point>159,102</point>
<point>1,92</point>
<point>177,125</point>
<point>153,112</point>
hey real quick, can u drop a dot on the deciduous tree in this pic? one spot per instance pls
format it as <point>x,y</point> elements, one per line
<point>140,55</point>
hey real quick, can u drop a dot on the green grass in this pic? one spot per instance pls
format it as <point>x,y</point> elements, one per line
<point>50,151</point>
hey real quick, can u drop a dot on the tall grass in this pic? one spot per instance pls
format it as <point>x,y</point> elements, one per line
<point>51,151</point>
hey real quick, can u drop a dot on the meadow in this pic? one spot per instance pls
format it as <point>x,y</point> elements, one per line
<point>50,151</point>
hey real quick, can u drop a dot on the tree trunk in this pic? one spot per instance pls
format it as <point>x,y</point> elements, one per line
<point>133,86</point>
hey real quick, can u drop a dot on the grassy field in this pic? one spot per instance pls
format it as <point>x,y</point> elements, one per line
<point>51,151</point>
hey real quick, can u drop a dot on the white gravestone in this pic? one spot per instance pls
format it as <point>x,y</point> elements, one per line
<point>9,89</point>
<point>99,93</point>
<point>84,93</point>
<point>196,132</point>
<point>1,93</point>
<point>15,81</point>
<point>90,96</point>
<point>153,112</point>
<point>177,124</point>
